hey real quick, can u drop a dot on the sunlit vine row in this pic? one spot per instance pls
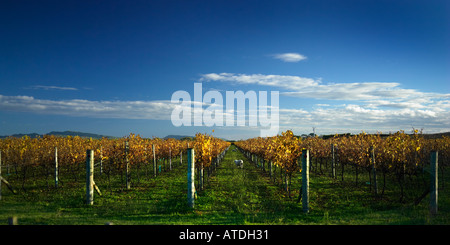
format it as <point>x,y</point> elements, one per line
<point>398,153</point>
<point>27,156</point>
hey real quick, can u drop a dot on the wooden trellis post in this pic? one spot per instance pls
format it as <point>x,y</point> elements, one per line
<point>154,160</point>
<point>200,177</point>
<point>191,177</point>
<point>181,157</point>
<point>56,167</point>
<point>128,175</point>
<point>333,162</point>
<point>374,169</point>
<point>170,159</point>
<point>305,181</point>
<point>90,177</point>
<point>101,160</point>
<point>270,169</point>
<point>434,182</point>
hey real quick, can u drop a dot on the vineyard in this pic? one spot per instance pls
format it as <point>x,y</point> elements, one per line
<point>143,181</point>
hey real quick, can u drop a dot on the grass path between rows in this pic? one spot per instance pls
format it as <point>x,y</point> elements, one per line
<point>242,195</point>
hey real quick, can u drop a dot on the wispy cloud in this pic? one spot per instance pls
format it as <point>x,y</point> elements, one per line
<point>290,57</point>
<point>280,81</point>
<point>304,87</point>
<point>154,110</point>
<point>158,110</point>
<point>45,87</point>
<point>353,91</point>
<point>355,118</point>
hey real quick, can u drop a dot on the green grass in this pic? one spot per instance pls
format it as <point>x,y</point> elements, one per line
<point>231,196</point>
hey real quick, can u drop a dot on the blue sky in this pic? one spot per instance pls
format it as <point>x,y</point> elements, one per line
<point>111,67</point>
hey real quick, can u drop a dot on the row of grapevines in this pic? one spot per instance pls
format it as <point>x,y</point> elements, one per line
<point>282,150</point>
<point>27,156</point>
<point>399,154</point>
<point>399,150</point>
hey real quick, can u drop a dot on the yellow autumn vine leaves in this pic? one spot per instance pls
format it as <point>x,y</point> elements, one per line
<point>40,151</point>
<point>206,148</point>
<point>393,152</point>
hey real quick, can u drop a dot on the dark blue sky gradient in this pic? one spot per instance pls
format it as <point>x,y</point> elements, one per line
<point>146,50</point>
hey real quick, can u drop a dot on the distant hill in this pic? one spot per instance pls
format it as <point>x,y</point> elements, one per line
<point>178,137</point>
<point>63,134</point>
<point>183,137</point>
<point>81,134</point>
<point>32,135</point>
<point>426,136</point>
<point>435,136</point>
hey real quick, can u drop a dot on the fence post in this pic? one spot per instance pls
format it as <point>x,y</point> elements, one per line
<point>434,182</point>
<point>154,160</point>
<point>56,167</point>
<point>374,169</point>
<point>333,162</point>
<point>191,177</point>
<point>90,177</point>
<point>305,180</point>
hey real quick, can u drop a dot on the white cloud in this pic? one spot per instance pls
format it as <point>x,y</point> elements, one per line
<point>384,106</point>
<point>356,118</point>
<point>290,57</point>
<point>155,110</point>
<point>280,81</point>
<point>44,87</point>
<point>303,87</point>
<point>352,91</point>
<point>159,110</point>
